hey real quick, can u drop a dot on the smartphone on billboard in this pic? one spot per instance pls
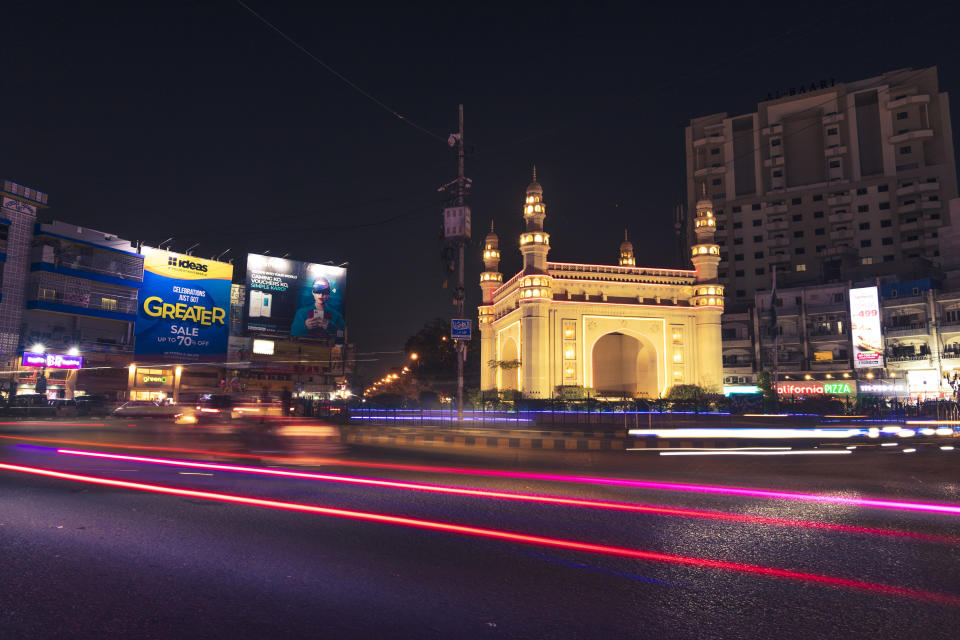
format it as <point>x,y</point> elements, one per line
<point>266,305</point>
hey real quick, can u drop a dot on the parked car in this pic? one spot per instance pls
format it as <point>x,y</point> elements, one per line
<point>31,405</point>
<point>146,409</point>
<point>92,405</point>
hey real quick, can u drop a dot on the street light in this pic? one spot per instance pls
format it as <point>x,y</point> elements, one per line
<point>38,347</point>
<point>73,351</point>
<point>414,356</point>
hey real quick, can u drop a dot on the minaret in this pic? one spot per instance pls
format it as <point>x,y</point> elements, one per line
<point>535,297</point>
<point>626,252</point>
<point>490,280</point>
<point>707,296</point>
<point>534,243</point>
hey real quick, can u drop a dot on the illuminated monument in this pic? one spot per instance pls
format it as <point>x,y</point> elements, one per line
<point>615,330</point>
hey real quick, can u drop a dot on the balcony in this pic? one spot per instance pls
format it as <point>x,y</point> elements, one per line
<point>779,241</point>
<point>839,217</point>
<point>773,161</point>
<point>910,244</point>
<point>714,139</point>
<point>911,357</point>
<point>917,98</point>
<point>910,329</point>
<point>834,201</point>
<point>709,171</point>
<point>903,301</point>
<point>835,151</point>
<point>79,261</point>
<point>930,223</point>
<point>54,292</point>
<point>772,130</point>
<point>778,225</point>
<point>841,234</point>
<point>916,134</point>
<point>833,118</point>
<point>911,207</point>
<point>829,365</point>
<point>950,355</point>
<point>732,343</point>
<point>926,205</point>
<point>910,226</point>
<point>949,326</point>
<point>775,208</point>
<point>827,337</point>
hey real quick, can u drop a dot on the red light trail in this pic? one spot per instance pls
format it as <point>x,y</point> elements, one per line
<point>557,543</point>
<point>524,497</point>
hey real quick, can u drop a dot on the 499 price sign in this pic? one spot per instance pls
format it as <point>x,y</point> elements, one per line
<point>183,308</point>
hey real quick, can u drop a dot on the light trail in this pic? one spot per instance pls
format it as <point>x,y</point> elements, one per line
<point>874,503</point>
<point>718,452</point>
<point>521,497</point>
<point>496,534</point>
<point>750,433</point>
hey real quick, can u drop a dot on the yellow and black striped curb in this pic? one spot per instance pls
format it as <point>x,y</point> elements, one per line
<point>545,441</point>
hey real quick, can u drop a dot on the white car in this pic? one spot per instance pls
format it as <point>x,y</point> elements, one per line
<point>146,409</point>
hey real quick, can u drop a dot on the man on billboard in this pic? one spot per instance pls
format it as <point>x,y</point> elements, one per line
<point>319,320</point>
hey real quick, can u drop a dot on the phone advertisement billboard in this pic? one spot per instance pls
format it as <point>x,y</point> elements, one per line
<point>865,328</point>
<point>183,308</point>
<point>299,299</point>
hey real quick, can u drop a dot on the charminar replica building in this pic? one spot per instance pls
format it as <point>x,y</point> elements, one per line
<point>612,330</point>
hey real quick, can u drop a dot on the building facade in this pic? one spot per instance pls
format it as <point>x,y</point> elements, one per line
<point>608,330</point>
<point>831,175</point>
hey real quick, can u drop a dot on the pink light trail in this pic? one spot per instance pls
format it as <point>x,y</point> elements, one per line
<point>558,543</point>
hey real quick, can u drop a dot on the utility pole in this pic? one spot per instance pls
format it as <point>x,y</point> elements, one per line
<point>457,229</point>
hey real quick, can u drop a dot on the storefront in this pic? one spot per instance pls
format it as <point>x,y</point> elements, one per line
<point>817,389</point>
<point>54,374</point>
<point>153,383</point>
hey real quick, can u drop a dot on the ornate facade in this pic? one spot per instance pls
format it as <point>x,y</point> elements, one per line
<point>615,330</point>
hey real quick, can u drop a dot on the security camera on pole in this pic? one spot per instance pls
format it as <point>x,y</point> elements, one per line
<point>456,229</point>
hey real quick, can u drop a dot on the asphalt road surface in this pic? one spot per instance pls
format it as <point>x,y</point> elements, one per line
<point>391,544</point>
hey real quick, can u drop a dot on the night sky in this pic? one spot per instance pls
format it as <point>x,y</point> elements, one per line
<point>196,120</point>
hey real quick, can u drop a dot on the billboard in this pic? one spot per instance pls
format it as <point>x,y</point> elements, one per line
<point>183,310</point>
<point>865,328</point>
<point>299,299</point>
<point>817,388</point>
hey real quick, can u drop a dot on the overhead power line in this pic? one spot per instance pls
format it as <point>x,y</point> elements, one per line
<point>340,76</point>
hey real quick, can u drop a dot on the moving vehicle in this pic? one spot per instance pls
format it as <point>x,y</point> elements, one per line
<point>146,409</point>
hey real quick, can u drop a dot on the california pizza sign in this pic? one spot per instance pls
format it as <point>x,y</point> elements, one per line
<point>817,388</point>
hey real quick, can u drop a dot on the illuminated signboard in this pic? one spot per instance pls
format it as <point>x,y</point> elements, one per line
<point>817,388</point>
<point>300,299</point>
<point>730,390</point>
<point>898,388</point>
<point>183,307</point>
<point>52,360</point>
<point>865,328</point>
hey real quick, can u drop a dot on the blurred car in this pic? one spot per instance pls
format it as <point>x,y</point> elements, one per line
<point>31,405</point>
<point>224,408</point>
<point>64,408</point>
<point>146,409</point>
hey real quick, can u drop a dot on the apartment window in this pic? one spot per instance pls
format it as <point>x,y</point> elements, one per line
<point>716,182</point>
<point>820,248</point>
<point>832,131</point>
<point>882,187</point>
<point>799,251</point>
<point>909,202</point>
<point>738,273</point>
<point>108,304</point>
<point>797,217</point>
<point>838,297</point>
<point>720,227</point>
<point>796,201</point>
<point>759,271</point>
<point>758,223</point>
<point>886,223</point>
<point>775,142</point>
<point>715,151</point>
<point>864,226</point>
<point>888,258</point>
<point>865,243</point>
<point>934,198</point>
<point>738,241</point>
<point>863,208</point>
<point>738,256</point>
<point>818,214</point>
<point>834,164</point>
<point>819,232</point>
<point>798,234</point>
<point>862,191</point>
<point>47,294</point>
<point>883,205</point>
<point>886,241</point>
<point>736,225</point>
<point>758,238</point>
<point>736,209</point>
<point>755,206</point>
<point>867,260</point>
<point>801,267</point>
<point>818,197</point>
<point>905,149</point>
<point>758,255</point>
<point>778,173</point>
<point>901,115</point>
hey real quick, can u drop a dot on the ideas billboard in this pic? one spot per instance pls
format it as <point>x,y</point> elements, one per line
<point>299,299</point>
<point>865,328</point>
<point>183,308</point>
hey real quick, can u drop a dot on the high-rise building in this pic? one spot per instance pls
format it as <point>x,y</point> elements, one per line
<point>826,178</point>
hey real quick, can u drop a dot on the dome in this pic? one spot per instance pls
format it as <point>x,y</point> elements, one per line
<point>626,245</point>
<point>492,240</point>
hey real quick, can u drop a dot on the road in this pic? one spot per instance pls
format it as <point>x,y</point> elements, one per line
<point>619,550</point>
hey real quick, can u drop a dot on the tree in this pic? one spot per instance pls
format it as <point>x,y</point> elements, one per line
<point>435,368</point>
